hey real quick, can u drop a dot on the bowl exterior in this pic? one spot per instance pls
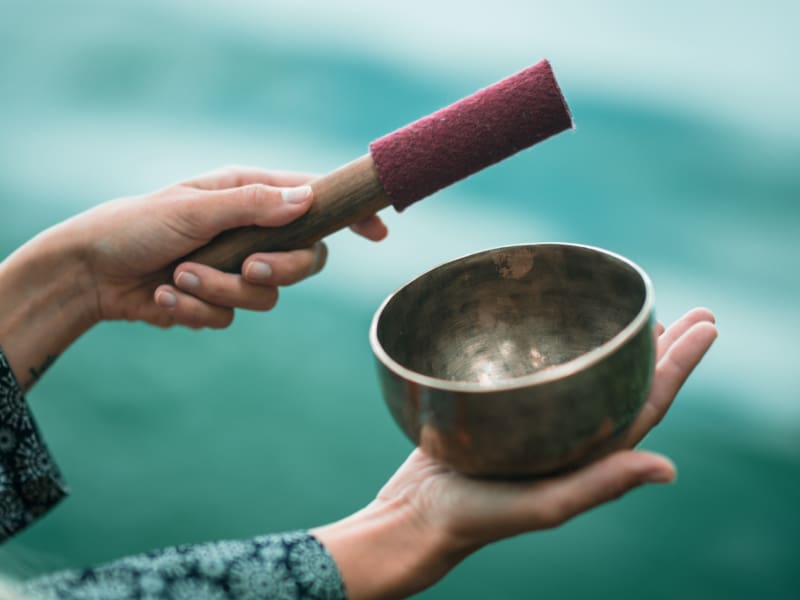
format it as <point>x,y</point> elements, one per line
<point>532,430</point>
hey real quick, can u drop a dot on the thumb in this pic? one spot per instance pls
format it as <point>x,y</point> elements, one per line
<point>215,211</point>
<point>551,502</point>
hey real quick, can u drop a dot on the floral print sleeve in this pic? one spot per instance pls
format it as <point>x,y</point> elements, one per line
<point>285,566</point>
<point>30,483</point>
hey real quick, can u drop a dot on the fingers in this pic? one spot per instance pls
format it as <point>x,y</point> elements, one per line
<point>285,268</point>
<point>511,508</point>
<point>672,369</point>
<point>255,204</point>
<point>205,297</point>
<point>185,309</point>
<point>371,228</point>
<point>677,329</point>
<point>554,501</point>
<point>238,197</point>
<point>235,176</point>
<point>223,289</point>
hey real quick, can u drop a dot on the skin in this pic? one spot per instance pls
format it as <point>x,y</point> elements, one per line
<point>428,518</point>
<point>121,260</point>
<point>118,261</point>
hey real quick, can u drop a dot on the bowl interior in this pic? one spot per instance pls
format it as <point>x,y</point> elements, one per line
<point>510,312</point>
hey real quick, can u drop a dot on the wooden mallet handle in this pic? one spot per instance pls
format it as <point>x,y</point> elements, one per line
<point>343,197</point>
<point>413,162</point>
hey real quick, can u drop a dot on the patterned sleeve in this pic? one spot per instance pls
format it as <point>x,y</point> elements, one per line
<point>285,566</point>
<point>30,483</point>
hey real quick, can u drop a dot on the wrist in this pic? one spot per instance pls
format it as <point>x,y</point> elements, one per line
<point>386,550</point>
<point>45,302</point>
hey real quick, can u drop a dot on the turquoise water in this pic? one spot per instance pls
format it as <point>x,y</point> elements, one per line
<point>277,423</point>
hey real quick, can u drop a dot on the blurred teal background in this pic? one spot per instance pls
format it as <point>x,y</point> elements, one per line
<point>685,159</point>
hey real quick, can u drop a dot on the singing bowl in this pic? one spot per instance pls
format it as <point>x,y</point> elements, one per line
<point>518,361</point>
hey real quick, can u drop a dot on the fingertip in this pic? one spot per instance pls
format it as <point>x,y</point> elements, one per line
<point>699,336</point>
<point>637,467</point>
<point>184,266</point>
<point>165,297</point>
<point>373,228</point>
<point>704,334</point>
<point>225,319</point>
<point>380,230</point>
<point>284,268</point>
<point>257,270</point>
<point>381,233</point>
<point>702,313</point>
<point>297,196</point>
<point>657,469</point>
<point>709,329</point>
<point>187,281</point>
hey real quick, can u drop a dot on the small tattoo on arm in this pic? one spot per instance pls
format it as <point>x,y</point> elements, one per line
<point>36,373</point>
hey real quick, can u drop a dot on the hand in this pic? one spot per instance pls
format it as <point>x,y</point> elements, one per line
<point>429,517</point>
<point>115,261</point>
<point>136,241</point>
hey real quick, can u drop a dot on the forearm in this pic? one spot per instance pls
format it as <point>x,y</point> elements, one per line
<point>385,551</point>
<point>45,294</point>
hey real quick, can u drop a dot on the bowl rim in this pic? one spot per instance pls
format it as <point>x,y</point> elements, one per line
<point>543,376</point>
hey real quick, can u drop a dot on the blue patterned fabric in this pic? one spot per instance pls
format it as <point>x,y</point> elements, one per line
<point>285,566</point>
<point>30,482</point>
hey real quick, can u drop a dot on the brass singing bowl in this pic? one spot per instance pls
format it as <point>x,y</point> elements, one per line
<point>519,361</point>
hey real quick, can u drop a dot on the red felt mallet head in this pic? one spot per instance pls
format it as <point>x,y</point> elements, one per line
<point>412,163</point>
<point>468,136</point>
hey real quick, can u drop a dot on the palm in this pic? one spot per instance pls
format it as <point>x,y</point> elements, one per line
<point>136,251</point>
<point>477,512</point>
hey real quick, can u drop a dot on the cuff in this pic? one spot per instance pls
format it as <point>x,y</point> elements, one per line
<point>287,566</point>
<point>30,482</point>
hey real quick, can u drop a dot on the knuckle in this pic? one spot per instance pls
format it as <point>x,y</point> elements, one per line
<point>551,515</point>
<point>630,477</point>
<point>269,298</point>
<point>257,198</point>
<point>262,298</point>
<point>617,488</point>
<point>214,289</point>
<point>252,194</point>
<point>192,323</point>
<point>190,316</point>
<point>231,175</point>
<point>222,320</point>
<point>290,268</point>
<point>189,322</point>
<point>652,414</point>
<point>300,266</point>
<point>164,321</point>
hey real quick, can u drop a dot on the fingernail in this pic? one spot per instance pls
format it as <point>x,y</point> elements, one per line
<point>316,263</point>
<point>259,270</point>
<point>296,195</point>
<point>188,281</point>
<point>166,299</point>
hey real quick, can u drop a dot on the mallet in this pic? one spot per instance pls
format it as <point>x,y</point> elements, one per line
<point>412,163</point>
